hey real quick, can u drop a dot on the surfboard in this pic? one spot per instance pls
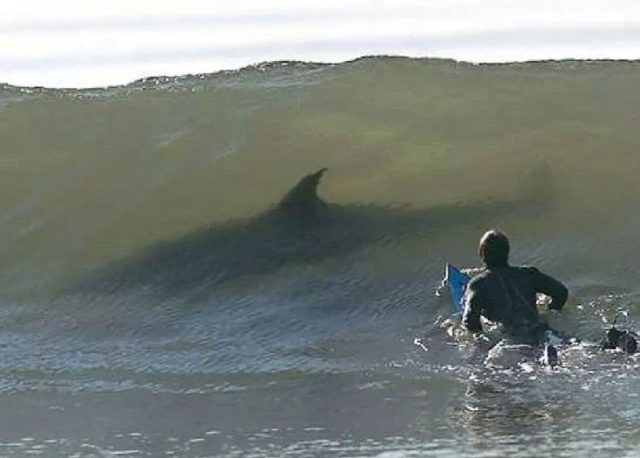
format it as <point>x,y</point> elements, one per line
<point>457,281</point>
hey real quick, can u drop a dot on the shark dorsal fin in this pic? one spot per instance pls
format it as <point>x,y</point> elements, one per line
<point>303,197</point>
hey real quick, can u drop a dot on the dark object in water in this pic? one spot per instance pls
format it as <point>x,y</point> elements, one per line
<point>300,229</point>
<point>550,355</point>
<point>625,340</point>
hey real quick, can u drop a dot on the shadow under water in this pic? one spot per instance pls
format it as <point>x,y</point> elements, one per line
<point>301,228</point>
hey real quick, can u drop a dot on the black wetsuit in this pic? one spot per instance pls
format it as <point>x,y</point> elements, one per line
<point>507,295</point>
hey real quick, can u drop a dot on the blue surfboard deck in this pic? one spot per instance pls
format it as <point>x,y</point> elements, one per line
<point>457,281</point>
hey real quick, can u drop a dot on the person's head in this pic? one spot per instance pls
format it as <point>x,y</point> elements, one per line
<point>494,248</point>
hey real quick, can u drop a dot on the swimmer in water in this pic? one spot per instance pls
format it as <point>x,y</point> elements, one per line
<point>507,295</point>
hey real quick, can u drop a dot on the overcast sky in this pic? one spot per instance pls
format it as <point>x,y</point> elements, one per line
<point>80,43</point>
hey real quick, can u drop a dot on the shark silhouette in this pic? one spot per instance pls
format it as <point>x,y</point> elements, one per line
<point>301,228</point>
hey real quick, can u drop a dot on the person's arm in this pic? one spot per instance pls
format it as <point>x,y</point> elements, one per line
<point>548,285</point>
<point>472,308</point>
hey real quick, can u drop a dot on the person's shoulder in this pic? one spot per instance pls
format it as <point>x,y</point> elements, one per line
<point>479,278</point>
<point>528,269</point>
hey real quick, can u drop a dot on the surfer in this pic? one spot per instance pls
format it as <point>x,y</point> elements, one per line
<point>507,295</point>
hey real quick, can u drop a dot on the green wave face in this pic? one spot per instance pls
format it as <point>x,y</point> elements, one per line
<point>88,177</point>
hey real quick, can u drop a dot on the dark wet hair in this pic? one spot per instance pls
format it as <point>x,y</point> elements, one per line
<point>494,248</point>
